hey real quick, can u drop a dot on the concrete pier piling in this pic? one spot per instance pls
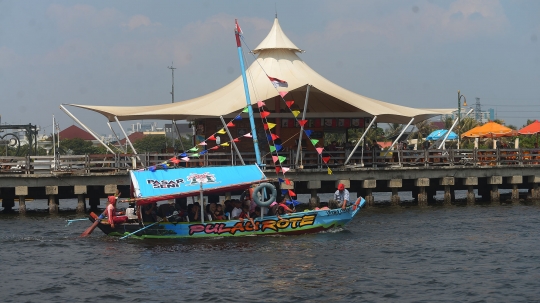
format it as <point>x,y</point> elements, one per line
<point>368,186</point>
<point>448,183</point>
<point>80,191</point>
<point>395,185</point>
<point>21,192</point>
<point>470,183</point>
<point>495,181</point>
<point>422,184</point>
<point>515,181</point>
<point>52,192</point>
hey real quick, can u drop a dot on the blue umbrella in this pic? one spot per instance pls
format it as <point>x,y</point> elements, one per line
<point>439,134</point>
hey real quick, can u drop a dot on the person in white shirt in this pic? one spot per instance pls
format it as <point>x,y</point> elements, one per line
<point>341,198</point>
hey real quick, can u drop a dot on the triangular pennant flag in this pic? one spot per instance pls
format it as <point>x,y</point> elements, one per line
<point>236,140</point>
<point>282,94</point>
<point>202,143</point>
<point>308,132</point>
<point>152,168</point>
<point>289,103</point>
<point>260,103</point>
<point>195,155</point>
<point>175,160</point>
<point>212,137</point>
<point>185,159</point>
<point>285,169</point>
<point>287,181</point>
<point>248,135</point>
<point>296,113</point>
<point>269,137</point>
<point>278,169</point>
<point>284,192</point>
<point>183,155</point>
<point>230,124</point>
<point>282,158</point>
<point>264,114</point>
<point>225,144</point>
<point>215,147</point>
<point>245,110</point>
<point>280,180</point>
<point>165,166</point>
<point>238,117</point>
<point>274,137</point>
<point>194,149</point>
<point>314,141</point>
<point>291,193</point>
<point>272,148</point>
<point>319,150</point>
<point>275,158</point>
<point>221,131</point>
<point>329,171</point>
<point>203,152</point>
<point>279,147</point>
<point>302,122</point>
<point>326,159</point>
<point>269,125</point>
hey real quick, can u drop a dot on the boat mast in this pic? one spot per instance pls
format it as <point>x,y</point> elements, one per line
<point>238,32</point>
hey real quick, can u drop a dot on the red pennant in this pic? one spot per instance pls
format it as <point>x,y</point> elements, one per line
<point>287,181</point>
<point>319,150</point>
<point>275,158</point>
<point>230,124</point>
<point>302,122</point>
<point>278,169</point>
<point>212,137</point>
<point>282,94</point>
<point>215,147</point>
<point>265,126</point>
<point>326,159</point>
<point>264,114</point>
<point>175,160</point>
<point>289,103</point>
<point>236,140</point>
<point>291,193</point>
<point>274,137</point>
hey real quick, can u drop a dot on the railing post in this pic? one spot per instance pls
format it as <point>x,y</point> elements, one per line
<point>27,166</point>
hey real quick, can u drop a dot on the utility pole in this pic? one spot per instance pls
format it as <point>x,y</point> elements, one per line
<point>172,96</point>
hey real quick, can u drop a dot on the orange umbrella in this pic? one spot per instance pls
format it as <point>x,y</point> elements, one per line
<point>531,129</point>
<point>490,130</point>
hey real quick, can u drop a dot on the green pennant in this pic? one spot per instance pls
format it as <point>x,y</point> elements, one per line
<point>272,148</point>
<point>282,159</point>
<point>245,110</point>
<point>314,141</point>
<point>194,149</point>
<point>195,155</point>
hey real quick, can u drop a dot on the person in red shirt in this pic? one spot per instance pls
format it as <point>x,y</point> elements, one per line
<point>111,212</point>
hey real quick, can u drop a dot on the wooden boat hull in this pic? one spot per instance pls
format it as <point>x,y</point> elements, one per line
<point>296,223</point>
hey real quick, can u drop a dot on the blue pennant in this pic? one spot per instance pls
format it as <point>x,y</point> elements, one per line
<point>308,132</point>
<point>280,180</point>
<point>165,166</point>
<point>183,155</point>
<point>203,152</point>
<point>152,168</point>
<point>238,117</point>
<point>269,137</point>
<point>293,202</point>
<point>284,191</point>
<point>278,147</point>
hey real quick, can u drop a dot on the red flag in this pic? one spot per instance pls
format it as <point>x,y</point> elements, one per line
<point>289,103</point>
<point>230,124</point>
<point>291,193</point>
<point>215,147</point>
<point>236,140</point>
<point>264,114</point>
<point>212,137</point>
<point>302,122</point>
<point>326,159</point>
<point>278,82</point>
<point>274,137</point>
<point>287,181</point>
<point>278,169</point>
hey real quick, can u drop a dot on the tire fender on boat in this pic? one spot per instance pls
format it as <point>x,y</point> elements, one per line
<point>258,192</point>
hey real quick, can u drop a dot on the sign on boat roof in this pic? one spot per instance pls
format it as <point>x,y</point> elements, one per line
<point>151,186</point>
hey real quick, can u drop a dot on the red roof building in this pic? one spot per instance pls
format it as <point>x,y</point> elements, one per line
<point>74,131</point>
<point>133,137</point>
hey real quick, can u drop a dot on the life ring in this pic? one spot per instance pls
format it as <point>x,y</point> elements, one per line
<point>259,191</point>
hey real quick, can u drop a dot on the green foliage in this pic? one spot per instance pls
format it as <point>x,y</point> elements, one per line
<point>158,143</point>
<point>77,146</point>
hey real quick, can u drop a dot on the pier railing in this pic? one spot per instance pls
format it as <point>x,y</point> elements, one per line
<point>371,159</point>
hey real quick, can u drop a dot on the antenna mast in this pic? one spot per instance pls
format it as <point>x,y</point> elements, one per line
<point>478,110</point>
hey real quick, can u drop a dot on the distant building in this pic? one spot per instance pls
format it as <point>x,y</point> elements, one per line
<point>183,128</point>
<point>485,116</point>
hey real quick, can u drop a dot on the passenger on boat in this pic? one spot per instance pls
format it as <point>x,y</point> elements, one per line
<point>165,210</point>
<point>256,213</point>
<point>341,198</point>
<point>237,209</point>
<point>195,213</point>
<point>228,206</point>
<point>111,213</point>
<point>149,212</point>
<point>218,213</point>
<point>211,209</point>
<point>280,208</point>
<point>245,215</point>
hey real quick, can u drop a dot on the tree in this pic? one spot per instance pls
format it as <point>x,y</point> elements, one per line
<point>151,143</point>
<point>76,146</point>
<point>423,129</point>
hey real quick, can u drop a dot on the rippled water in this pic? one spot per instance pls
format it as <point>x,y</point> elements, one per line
<point>387,254</point>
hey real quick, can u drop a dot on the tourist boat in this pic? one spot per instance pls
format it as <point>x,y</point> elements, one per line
<point>162,183</point>
<point>152,186</point>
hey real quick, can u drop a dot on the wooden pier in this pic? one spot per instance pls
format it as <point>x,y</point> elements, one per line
<point>89,178</point>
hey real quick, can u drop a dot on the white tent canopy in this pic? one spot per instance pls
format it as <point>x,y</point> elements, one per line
<point>277,56</point>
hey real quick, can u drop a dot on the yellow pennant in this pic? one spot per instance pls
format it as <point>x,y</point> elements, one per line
<point>225,144</point>
<point>221,131</point>
<point>271,125</point>
<point>329,171</point>
<point>296,113</point>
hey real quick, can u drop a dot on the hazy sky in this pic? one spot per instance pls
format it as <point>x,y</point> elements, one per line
<point>415,53</point>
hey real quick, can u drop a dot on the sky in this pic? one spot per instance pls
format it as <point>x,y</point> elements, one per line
<point>416,53</point>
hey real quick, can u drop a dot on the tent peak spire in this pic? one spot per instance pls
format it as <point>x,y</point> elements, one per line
<point>276,39</point>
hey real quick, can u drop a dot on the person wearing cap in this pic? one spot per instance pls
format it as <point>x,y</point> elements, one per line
<point>114,218</point>
<point>341,198</point>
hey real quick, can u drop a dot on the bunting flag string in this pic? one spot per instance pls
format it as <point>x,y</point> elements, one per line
<point>221,131</point>
<point>289,103</point>
<point>296,113</point>
<point>264,114</point>
<point>260,104</point>
<point>302,122</point>
<point>326,159</point>
<point>230,124</point>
